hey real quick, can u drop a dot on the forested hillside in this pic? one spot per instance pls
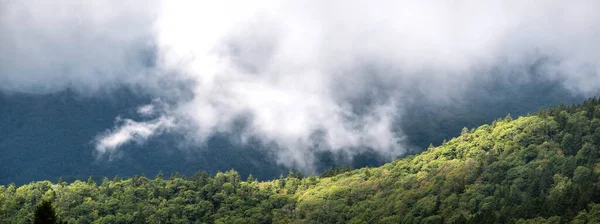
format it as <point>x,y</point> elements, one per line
<point>543,168</point>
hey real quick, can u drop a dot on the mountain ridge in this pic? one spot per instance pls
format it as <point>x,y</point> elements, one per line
<point>542,168</point>
<point>47,136</point>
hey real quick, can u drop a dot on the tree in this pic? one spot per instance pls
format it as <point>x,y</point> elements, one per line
<point>44,214</point>
<point>91,181</point>
<point>250,178</point>
<point>463,133</point>
<point>508,118</point>
<point>159,175</point>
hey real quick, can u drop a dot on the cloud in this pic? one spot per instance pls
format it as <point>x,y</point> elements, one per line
<point>146,110</point>
<point>157,121</point>
<point>346,68</point>
<point>305,75</point>
<point>49,46</point>
<point>128,131</point>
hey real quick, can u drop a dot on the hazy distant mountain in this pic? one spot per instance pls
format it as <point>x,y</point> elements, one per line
<point>50,136</point>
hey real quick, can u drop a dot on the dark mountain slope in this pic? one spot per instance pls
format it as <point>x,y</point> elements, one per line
<point>47,136</point>
<point>50,136</point>
<point>543,168</point>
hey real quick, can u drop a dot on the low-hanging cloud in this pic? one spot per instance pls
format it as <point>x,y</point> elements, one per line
<point>128,131</point>
<point>307,75</point>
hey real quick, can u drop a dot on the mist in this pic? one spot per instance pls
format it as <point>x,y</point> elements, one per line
<point>303,76</point>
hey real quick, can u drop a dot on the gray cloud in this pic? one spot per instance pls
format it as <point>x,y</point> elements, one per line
<point>47,46</point>
<point>341,68</point>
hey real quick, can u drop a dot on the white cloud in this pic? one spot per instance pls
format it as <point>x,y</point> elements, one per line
<point>299,67</point>
<point>128,131</point>
<point>295,68</point>
<point>146,110</point>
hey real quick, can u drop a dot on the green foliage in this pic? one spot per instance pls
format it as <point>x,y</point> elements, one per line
<point>543,168</point>
<point>336,170</point>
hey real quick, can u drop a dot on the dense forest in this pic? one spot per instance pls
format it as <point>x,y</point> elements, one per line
<point>542,168</point>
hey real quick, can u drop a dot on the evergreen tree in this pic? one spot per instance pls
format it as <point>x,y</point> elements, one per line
<point>91,181</point>
<point>159,175</point>
<point>508,118</point>
<point>44,214</point>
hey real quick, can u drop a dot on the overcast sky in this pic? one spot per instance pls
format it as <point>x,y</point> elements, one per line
<point>308,75</point>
